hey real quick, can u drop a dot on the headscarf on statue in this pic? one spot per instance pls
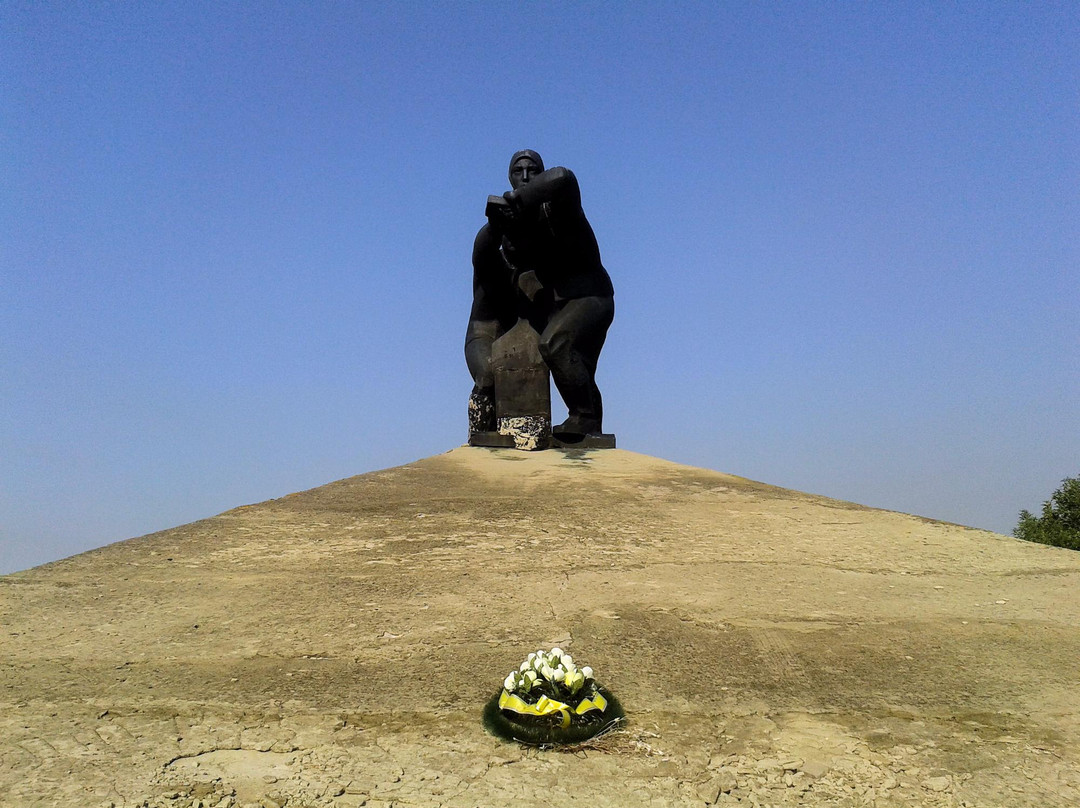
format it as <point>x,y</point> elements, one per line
<point>536,158</point>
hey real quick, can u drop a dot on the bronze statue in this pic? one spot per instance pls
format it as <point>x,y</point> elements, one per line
<point>537,260</point>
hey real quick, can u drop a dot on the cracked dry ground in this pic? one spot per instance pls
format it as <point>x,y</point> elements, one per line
<point>334,648</point>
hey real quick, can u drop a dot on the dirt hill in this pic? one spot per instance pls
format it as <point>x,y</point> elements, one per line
<point>335,647</point>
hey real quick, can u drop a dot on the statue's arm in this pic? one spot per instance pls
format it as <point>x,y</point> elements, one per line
<point>551,192</point>
<point>485,260</point>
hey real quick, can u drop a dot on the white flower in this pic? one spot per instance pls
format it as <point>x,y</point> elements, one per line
<point>575,681</point>
<point>543,667</point>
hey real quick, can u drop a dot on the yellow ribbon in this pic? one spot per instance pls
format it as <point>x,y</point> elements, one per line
<point>546,706</point>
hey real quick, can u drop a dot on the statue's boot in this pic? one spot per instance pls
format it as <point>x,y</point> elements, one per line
<point>582,399</point>
<point>576,427</point>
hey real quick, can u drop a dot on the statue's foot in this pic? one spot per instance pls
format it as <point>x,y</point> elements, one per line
<point>576,427</point>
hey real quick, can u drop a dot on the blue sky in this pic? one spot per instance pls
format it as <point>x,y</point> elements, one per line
<point>235,239</point>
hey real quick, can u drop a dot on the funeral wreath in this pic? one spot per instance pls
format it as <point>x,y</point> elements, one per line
<point>549,700</point>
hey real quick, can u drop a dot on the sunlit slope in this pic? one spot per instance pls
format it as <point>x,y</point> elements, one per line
<point>335,647</point>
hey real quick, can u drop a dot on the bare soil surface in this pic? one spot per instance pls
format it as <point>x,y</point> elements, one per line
<point>335,648</point>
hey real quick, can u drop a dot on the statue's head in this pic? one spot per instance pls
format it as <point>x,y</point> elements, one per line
<point>524,165</point>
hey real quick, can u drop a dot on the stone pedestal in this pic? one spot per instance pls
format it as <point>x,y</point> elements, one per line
<point>522,390</point>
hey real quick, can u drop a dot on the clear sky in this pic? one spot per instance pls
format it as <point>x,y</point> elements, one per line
<point>235,240</point>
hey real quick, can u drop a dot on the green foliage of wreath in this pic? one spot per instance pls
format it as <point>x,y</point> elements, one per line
<point>548,730</point>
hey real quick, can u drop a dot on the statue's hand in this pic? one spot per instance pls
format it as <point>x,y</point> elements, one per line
<point>530,285</point>
<point>499,213</point>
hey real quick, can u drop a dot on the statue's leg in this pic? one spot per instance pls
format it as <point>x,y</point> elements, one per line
<point>571,344</point>
<point>478,341</point>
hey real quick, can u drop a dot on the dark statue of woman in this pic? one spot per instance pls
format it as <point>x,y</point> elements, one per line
<point>537,259</point>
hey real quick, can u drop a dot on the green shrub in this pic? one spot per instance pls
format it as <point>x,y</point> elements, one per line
<point>1059,524</point>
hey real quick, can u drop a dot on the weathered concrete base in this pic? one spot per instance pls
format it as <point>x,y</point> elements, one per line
<point>496,440</point>
<point>492,440</point>
<point>530,432</point>
<point>481,413</point>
